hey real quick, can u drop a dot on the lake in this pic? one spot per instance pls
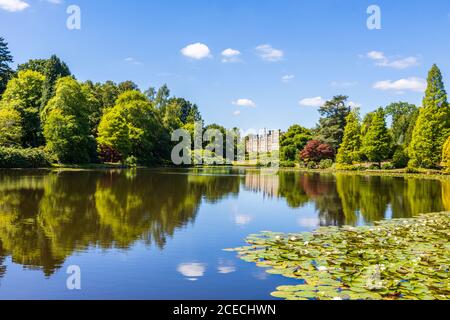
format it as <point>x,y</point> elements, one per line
<point>160,234</point>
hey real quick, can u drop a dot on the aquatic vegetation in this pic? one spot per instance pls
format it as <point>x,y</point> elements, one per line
<point>402,259</point>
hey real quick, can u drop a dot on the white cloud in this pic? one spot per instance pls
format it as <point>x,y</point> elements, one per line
<point>376,55</point>
<point>197,51</point>
<point>230,55</point>
<point>400,63</point>
<point>408,84</point>
<point>309,222</point>
<point>192,271</point>
<point>242,220</point>
<point>133,61</point>
<point>226,267</point>
<point>268,53</point>
<point>287,78</point>
<point>237,113</point>
<point>244,103</point>
<point>353,104</point>
<point>312,102</point>
<point>13,5</point>
<point>55,1</point>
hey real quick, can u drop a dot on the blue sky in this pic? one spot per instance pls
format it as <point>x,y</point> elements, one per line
<point>284,57</point>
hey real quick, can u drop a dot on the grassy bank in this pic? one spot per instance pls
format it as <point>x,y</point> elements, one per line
<point>394,260</point>
<point>401,173</point>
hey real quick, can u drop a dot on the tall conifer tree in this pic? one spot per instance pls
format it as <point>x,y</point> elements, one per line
<point>433,125</point>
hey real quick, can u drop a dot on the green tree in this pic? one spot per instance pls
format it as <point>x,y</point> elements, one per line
<point>113,136</point>
<point>133,128</point>
<point>350,149</point>
<point>108,94</point>
<point>38,65</point>
<point>151,94</point>
<point>332,124</point>
<point>66,123</point>
<point>367,121</point>
<point>172,117</point>
<point>376,144</point>
<point>127,86</point>
<point>5,60</point>
<point>95,105</point>
<point>11,124</point>
<point>433,124</point>
<point>52,68</point>
<point>293,141</point>
<point>24,93</point>
<point>162,97</point>
<point>189,112</point>
<point>402,114</point>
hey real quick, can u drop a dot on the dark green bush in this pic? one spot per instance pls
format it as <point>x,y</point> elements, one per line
<point>131,162</point>
<point>325,164</point>
<point>287,164</point>
<point>387,166</point>
<point>23,158</point>
<point>400,159</point>
<point>412,170</point>
<point>312,165</point>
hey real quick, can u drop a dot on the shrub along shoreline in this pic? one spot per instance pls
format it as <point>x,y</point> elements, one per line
<point>11,158</point>
<point>35,158</point>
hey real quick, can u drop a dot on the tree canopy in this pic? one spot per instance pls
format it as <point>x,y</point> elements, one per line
<point>332,124</point>
<point>132,128</point>
<point>376,144</point>
<point>403,115</point>
<point>433,124</point>
<point>66,124</point>
<point>5,69</point>
<point>350,150</point>
<point>24,94</point>
<point>294,141</point>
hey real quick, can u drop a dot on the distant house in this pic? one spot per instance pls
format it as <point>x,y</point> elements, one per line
<point>265,142</point>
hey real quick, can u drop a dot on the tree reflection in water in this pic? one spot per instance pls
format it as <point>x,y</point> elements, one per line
<point>344,199</point>
<point>47,216</point>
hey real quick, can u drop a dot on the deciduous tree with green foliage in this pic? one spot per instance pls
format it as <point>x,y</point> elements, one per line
<point>162,97</point>
<point>433,124</point>
<point>294,141</point>
<point>66,124</point>
<point>114,143</point>
<point>24,94</point>
<point>11,127</point>
<point>446,155</point>
<point>376,144</point>
<point>52,68</point>
<point>350,149</point>
<point>133,128</point>
<point>127,86</point>
<point>402,114</point>
<point>332,124</point>
<point>5,60</point>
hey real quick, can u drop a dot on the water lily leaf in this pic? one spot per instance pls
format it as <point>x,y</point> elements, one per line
<point>397,259</point>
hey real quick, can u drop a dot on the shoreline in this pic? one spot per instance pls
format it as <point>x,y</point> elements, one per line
<point>396,173</point>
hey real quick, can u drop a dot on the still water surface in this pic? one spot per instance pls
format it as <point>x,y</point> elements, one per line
<point>159,234</point>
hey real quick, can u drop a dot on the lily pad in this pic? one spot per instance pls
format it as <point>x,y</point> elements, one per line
<point>397,259</point>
